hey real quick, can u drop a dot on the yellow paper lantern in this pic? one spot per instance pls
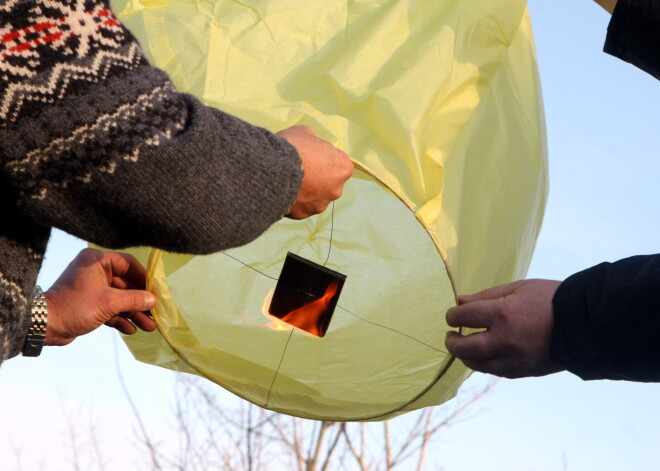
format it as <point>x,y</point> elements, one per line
<point>439,104</point>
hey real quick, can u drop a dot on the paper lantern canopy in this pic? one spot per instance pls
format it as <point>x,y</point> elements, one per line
<point>439,104</point>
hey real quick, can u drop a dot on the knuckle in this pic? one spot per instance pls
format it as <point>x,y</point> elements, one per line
<point>335,194</point>
<point>89,253</point>
<point>506,315</point>
<point>348,171</point>
<point>348,163</point>
<point>87,250</point>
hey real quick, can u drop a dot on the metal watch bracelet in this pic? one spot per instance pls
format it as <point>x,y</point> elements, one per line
<point>36,335</point>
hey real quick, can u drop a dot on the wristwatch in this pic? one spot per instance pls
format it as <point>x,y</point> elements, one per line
<point>36,336</point>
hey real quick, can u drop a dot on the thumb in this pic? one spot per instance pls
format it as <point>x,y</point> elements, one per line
<point>130,300</point>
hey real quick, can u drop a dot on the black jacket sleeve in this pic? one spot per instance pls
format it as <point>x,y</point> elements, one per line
<point>634,34</point>
<point>607,318</point>
<point>607,321</point>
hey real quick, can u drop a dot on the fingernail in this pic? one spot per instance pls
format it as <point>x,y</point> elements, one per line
<point>149,300</point>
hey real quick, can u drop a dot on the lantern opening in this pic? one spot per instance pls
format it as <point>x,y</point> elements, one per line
<point>306,294</point>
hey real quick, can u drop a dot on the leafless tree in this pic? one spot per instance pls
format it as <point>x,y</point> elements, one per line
<point>211,432</point>
<point>214,435</point>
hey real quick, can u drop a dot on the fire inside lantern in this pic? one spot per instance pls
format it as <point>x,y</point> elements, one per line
<point>306,295</point>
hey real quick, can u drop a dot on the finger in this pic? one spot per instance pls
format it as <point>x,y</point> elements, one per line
<point>472,347</point>
<point>491,293</point>
<point>119,301</point>
<point>479,352</point>
<point>495,366</point>
<point>122,283</point>
<point>126,266</point>
<point>143,321</point>
<point>476,315</point>
<point>487,366</point>
<point>122,325</point>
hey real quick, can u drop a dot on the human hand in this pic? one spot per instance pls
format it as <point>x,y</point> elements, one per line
<point>326,170</point>
<point>607,4</point>
<point>518,319</point>
<point>98,288</point>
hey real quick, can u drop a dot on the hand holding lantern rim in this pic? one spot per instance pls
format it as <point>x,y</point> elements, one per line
<point>518,320</point>
<point>326,171</point>
<point>98,288</point>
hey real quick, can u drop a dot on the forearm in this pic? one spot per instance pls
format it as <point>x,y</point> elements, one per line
<point>216,183</point>
<point>101,145</point>
<point>607,321</point>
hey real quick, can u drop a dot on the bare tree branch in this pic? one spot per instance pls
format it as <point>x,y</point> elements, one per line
<point>425,439</point>
<point>242,437</point>
<point>387,444</point>
<point>145,436</point>
<point>332,447</point>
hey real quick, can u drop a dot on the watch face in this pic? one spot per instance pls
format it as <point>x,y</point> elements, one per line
<point>33,346</point>
<point>306,294</point>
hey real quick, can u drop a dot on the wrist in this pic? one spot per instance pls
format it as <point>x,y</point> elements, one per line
<point>54,333</point>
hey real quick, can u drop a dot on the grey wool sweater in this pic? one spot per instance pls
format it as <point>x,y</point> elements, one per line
<point>97,143</point>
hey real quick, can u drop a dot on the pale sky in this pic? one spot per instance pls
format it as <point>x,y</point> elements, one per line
<point>601,117</point>
<point>603,140</point>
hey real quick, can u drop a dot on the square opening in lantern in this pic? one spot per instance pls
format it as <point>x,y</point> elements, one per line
<point>306,294</point>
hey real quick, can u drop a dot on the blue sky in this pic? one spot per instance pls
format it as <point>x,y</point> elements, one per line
<point>601,116</point>
<point>603,140</point>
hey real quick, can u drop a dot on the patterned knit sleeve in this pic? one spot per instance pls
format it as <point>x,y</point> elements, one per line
<point>97,143</point>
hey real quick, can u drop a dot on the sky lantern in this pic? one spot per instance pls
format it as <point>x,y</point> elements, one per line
<point>342,316</point>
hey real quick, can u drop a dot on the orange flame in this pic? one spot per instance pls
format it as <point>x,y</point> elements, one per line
<point>275,324</point>
<point>307,317</point>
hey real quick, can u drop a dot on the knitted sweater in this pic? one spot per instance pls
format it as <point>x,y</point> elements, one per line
<point>97,143</point>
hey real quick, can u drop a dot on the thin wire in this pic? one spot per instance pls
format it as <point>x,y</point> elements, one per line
<point>392,330</point>
<point>332,230</point>
<point>332,227</point>
<point>279,366</point>
<point>286,346</point>
<point>250,267</point>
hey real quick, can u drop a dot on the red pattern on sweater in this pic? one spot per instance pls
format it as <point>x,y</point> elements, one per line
<point>17,42</point>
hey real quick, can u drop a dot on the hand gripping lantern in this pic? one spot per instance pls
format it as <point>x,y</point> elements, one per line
<point>439,104</point>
